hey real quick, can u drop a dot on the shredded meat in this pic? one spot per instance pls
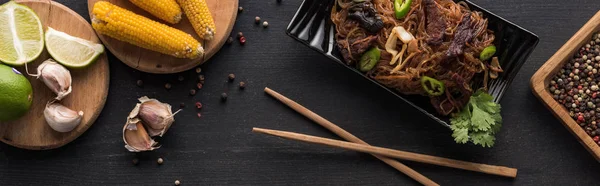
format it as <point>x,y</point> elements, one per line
<point>436,23</point>
<point>464,34</point>
<point>357,47</point>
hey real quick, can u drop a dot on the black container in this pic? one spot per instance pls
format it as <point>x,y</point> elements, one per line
<point>312,26</point>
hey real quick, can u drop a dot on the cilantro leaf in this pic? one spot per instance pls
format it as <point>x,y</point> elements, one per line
<point>483,138</point>
<point>461,135</point>
<point>481,120</point>
<point>478,121</point>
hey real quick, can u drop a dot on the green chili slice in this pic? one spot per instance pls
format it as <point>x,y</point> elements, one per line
<point>432,86</point>
<point>401,8</point>
<point>487,53</point>
<point>369,59</point>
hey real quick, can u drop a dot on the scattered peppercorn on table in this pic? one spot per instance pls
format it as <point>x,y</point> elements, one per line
<point>163,36</point>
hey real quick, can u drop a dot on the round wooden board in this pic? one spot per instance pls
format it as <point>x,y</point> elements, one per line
<point>224,12</point>
<point>90,86</point>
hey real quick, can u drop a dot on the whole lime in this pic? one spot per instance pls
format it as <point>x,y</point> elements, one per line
<point>16,94</point>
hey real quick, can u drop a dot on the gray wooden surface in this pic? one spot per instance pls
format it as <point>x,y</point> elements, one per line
<point>219,149</point>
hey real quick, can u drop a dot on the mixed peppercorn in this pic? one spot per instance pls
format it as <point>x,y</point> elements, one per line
<point>577,87</point>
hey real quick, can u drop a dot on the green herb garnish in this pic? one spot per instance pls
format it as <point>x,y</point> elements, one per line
<point>478,121</point>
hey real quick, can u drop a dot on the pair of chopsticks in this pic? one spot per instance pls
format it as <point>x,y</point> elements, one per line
<point>380,153</point>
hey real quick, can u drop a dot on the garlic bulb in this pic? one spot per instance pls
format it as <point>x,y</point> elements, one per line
<point>56,77</point>
<point>61,118</point>
<point>137,139</point>
<point>148,119</point>
<point>157,116</point>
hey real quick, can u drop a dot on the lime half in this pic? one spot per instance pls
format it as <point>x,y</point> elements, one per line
<point>21,34</point>
<point>71,51</point>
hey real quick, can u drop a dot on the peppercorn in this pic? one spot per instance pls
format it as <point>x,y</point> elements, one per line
<point>229,40</point>
<point>198,70</point>
<point>192,92</point>
<point>265,24</point>
<point>240,9</point>
<point>160,161</point>
<point>168,86</point>
<point>231,77</point>
<point>177,182</point>
<point>199,115</point>
<point>242,85</point>
<point>198,105</point>
<point>242,40</point>
<point>135,161</point>
<point>576,86</point>
<point>140,83</point>
<point>257,20</point>
<point>199,85</point>
<point>596,138</point>
<point>240,34</point>
<point>200,77</point>
<point>224,96</point>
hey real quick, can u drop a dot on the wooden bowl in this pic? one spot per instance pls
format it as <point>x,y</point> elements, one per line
<point>541,80</point>
<point>224,13</point>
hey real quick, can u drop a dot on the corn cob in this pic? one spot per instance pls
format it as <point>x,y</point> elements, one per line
<point>167,10</point>
<point>123,25</point>
<point>199,15</point>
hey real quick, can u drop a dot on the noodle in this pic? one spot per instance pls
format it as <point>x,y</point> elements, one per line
<point>455,72</point>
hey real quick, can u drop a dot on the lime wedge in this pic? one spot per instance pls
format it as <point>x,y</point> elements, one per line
<point>71,51</point>
<point>21,34</point>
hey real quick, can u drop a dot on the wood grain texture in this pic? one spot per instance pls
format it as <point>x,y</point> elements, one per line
<point>349,137</point>
<point>219,148</point>
<point>403,155</point>
<point>224,13</point>
<point>90,86</point>
<point>541,79</point>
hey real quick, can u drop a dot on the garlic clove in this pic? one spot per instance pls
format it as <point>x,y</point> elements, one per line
<point>157,116</point>
<point>137,139</point>
<point>56,77</point>
<point>61,118</point>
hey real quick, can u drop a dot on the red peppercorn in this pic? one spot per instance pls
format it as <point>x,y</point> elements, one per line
<point>579,87</point>
<point>242,40</point>
<point>199,85</point>
<point>594,95</point>
<point>198,105</point>
<point>580,118</point>
<point>596,138</point>
<point>199,115</point>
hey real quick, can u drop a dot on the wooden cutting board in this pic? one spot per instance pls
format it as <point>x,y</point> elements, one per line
<point>224,12</point>
<point>90,86</point>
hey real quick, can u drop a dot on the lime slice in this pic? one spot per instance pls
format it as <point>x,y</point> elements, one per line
<point>71,51</point>
<point>21,34</point>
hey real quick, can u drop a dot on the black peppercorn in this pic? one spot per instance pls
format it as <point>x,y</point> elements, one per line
<point>140,83</point>
<point>224,96</point>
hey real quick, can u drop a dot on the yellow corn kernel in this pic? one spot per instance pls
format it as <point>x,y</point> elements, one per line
<point>124,25</point>
<point>199,15</point>
<point>167,10</point>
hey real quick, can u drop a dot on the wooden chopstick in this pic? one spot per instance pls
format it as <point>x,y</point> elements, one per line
<point>410,156</point>
<point>348,136</point>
